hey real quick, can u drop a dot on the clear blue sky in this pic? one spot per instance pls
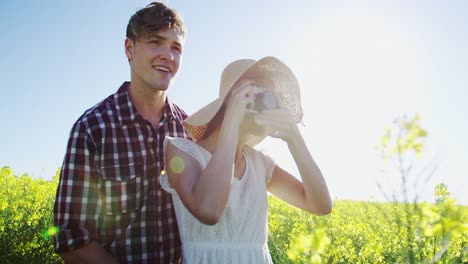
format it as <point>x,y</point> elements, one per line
<point>359,63</point>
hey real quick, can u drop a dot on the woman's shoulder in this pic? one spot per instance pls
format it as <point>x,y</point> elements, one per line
<point>180,143</point>
<point>184,145</point>
<point>177,139</point>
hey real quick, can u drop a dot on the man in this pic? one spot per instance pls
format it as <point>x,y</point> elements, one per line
<point>110,207</point>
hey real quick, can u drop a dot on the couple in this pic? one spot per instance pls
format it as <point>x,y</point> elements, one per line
<point>143,183</point>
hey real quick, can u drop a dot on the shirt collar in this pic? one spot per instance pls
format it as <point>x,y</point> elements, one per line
<point>126,111</point>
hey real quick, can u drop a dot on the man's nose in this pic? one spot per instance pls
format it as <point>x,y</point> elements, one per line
<point>166,53</point>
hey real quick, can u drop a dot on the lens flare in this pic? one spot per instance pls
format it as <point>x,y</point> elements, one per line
<point>50,232</point>
<point>177,165</point>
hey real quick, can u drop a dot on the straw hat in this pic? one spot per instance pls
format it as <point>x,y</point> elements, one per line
<point>286,89</point>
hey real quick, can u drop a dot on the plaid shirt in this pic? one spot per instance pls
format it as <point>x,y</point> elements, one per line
<point>109,189</point>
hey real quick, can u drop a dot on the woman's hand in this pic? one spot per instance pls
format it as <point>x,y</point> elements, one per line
<point>241,99</point>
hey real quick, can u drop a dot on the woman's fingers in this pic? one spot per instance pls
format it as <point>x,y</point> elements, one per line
<point>241,99</point>
<point>243,94</point>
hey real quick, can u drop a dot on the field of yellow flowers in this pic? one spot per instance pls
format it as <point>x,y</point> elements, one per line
<point>355,232</point>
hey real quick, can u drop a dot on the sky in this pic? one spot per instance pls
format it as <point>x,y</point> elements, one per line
<point>360,64</point>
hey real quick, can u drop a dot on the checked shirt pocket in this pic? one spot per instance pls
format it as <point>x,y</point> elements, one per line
<point>121,189</point>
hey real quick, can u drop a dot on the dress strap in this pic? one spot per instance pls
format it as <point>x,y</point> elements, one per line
<point>267,162</point>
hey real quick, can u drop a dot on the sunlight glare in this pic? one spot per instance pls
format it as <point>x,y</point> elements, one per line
<point>357,70</point>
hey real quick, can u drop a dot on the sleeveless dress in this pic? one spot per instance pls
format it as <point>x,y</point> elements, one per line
<point>241,235</point>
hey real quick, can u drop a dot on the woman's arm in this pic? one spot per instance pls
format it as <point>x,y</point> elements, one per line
<point>312,193</point>
<point>205,192</point>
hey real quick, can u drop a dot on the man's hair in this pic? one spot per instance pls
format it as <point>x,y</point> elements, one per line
<point>153,18</point>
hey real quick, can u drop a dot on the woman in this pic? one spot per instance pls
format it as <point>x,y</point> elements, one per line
<point>219,183</point>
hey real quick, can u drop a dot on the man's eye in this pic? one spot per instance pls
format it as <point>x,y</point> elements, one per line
<point>178,49</point>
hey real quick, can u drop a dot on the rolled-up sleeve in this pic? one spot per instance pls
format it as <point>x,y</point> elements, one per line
<point>77,204</point>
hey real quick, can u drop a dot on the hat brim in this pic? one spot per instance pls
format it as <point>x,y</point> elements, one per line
<point>197,124</point>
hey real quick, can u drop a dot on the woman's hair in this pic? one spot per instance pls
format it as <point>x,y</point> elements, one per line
<point>153,18</point>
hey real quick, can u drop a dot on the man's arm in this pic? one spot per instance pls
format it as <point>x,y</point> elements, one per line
<point>77,200</point>
<point>92,253</point>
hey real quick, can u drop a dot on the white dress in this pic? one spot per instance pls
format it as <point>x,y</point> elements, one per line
<point>241,235</point>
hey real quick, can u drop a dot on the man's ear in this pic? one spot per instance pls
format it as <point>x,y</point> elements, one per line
<point>129,49</point>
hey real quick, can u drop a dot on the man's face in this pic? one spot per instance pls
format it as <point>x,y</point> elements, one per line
<point>155,59</point>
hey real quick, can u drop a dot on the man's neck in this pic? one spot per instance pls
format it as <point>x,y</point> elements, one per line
<point>149,104</point>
